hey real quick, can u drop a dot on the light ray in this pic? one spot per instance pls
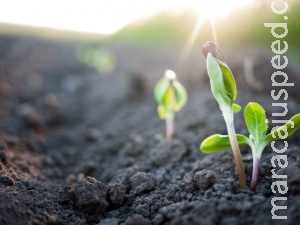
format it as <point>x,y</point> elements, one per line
<point>211,10</point>
<point>214,31</point>
<point>190,42</point>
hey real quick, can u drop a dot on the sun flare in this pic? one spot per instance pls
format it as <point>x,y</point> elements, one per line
<point>209,10</point>
<point>105,16</point>
<point>217,8</point>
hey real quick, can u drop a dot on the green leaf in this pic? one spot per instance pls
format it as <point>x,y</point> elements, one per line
<point>285,130</point>
<point>160,90</point>
<point>216,81</point>
<point>218,142</point>
<point>162,112</point>
<point>170,95</point>
<point>181,95</point>
<point>236,108</point>
<point>222,81</point>
<point>229,82</point>
<point>255,118</point>
<point>169,99</point>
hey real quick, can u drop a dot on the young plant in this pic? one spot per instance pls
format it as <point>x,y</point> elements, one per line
<point>171,96</point>
<point>223,88</point>
<point>257,124</point>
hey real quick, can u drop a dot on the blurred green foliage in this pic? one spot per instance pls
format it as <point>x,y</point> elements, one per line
<point>242,28</point>
<point>98,58</point>
<point>248,26</point>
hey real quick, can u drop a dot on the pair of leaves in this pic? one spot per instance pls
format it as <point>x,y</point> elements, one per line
<point>256,122</point>
<point>170,95</point>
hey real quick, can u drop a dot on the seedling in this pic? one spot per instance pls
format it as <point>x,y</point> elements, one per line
<point>257,124</point>
<point>171,96</point>
<point>223,88</point>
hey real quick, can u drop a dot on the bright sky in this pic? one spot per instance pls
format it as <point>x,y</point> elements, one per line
<point>103,16</point>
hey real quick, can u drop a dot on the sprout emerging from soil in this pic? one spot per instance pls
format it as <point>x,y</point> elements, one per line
<point>223,87</point>
<point>171,96</point>
<point>255,118</point>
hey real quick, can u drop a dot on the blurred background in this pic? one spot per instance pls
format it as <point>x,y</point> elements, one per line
<point>145,22</point>
<point>146,37</point>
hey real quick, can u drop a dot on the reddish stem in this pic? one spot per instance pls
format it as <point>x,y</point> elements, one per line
<point>255,173</point>
<point>170,127</point>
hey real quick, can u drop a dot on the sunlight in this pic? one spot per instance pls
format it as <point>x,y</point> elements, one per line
<point>214,31</point>
<point>95,16</point>
<point>209,10</point>
<point>190,42</point>
<point>104,16</point>
<point>217,8</point>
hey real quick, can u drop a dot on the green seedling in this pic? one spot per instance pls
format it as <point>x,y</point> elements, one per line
<point>223,88</point>
<point>171,96</point>
<point>100,59</point>
<point>257,124</point>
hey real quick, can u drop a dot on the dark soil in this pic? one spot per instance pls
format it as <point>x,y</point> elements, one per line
<point>81,147</point>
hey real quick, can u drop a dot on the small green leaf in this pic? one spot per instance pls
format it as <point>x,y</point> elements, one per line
<point>160,89</point>
<point>218,142</point>
<point>181,95</point>
<point>169,98</point>
<point>162,112</point>
<point>229,82</point>
<point>236,108</point>
<point>255,118</point>
<point>285,130</point>
<point>216,81</point>
<point>170,95</point>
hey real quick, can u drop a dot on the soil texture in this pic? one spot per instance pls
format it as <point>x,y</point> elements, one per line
<point>82,147</point>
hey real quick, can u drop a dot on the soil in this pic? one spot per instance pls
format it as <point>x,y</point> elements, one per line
<point>80,147</point>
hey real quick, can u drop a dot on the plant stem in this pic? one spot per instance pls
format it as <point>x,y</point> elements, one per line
<point>170,126</point>
<point>235,150</point>
<point>255,172</point>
